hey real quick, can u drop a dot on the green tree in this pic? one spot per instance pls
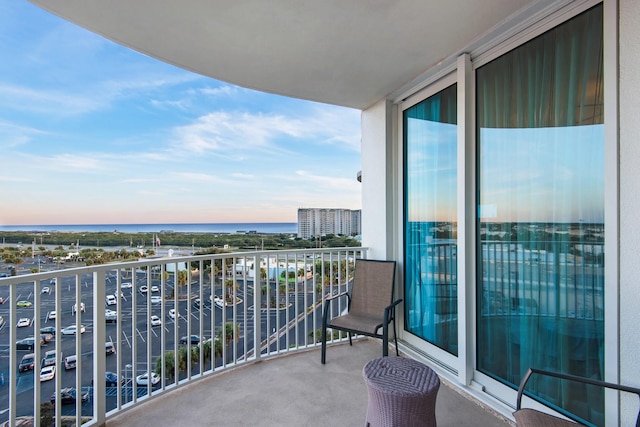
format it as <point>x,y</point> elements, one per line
<point>182,278</point>
<point>169,366</point>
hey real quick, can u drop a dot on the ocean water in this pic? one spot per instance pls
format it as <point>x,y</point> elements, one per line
<point>258,227</point>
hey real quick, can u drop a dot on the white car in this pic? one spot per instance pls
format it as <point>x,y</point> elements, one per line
<point>143,289</point>
<point>172,313</point>
<point>24,321</point>
<point>144,379</point>
<point>110,315</point>
<point>52,315</point>
<point>47,373</point>
<point>45,290</point>
<point>75,308</point>
<point>71,330</point>
<point>155,299</point>
<point>155,321</point>
<point>70,362</point>
<point>111,300</point>
<point>126,285</point>
<point>154,288</point>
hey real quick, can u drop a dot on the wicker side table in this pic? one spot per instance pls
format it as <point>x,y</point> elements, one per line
<point>402,393</point>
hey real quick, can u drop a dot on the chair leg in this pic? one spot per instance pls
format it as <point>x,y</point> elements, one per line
<point>385,340</point>
<point>323,337</point>
<point>395,336</point>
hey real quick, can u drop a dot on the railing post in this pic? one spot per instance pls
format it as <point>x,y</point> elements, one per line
<point>13,363</point>
<point>99,340</point>
<point>257,308</point>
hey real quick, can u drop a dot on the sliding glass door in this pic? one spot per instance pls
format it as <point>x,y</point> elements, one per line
<point>540,230</point>
<point>430,141</point>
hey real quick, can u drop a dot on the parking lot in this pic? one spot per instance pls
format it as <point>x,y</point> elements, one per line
<point>137,304</point>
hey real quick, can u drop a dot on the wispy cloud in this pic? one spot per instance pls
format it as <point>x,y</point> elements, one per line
<point>197,177</point>
<point>4,178</point>
<point>48,101</point>
<point>225,90</point>
<point>242,175</point>
<point>232,134</point>
<point>328,182</point>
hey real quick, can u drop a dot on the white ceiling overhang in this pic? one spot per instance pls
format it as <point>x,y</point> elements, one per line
<point>349,53</point>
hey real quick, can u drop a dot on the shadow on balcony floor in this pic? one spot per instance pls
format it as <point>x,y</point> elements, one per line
<point>294,390</point>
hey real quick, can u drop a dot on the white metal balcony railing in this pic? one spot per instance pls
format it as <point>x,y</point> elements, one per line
<point>214,312</point>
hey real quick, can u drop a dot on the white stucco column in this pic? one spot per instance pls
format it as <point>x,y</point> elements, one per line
<point>378,180</point>
<point>629,164</point>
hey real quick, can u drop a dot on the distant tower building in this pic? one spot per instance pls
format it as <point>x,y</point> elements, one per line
<point>316,222</point>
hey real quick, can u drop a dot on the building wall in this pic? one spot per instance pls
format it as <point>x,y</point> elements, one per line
<point>629,164</point>
<point>377,167</point>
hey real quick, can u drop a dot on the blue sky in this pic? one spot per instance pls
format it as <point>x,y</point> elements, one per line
<point>92,132</point>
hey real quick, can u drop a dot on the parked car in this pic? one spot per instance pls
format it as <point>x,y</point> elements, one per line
<point>111,379</point>
<point>74,308</point>
<point>126,285</point>
<point>23,322</point>
<point>154,288</point>
<point>110,348</point>
<point>155,321</point>
<point>49,358</point>
<point>24,303</point>
<point>48,330</point>
<point>71,330</point>
<point>195,339</point>
<point>47,373</point>
<point>45,290</point>
<point>172,313</point>
<point>70,362</point>
<point>196,302</point>
<point>143,289</point>
<point>27,363</point>
<point>52,315</point>
<point>111,300</point>
<point>47,337</point>
<point>156,299</point>
<point>68,396</point>
<point>144,379</point>
<point>28,343</point>
<point>110,316</point>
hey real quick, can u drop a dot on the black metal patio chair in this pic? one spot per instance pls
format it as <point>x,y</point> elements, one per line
<point>371,306</point>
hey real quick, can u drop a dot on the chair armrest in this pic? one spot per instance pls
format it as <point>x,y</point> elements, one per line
<point>390,308</point>
<point>341,294</point>
<point>327,302</point>
<point>396,302</point>
<point>575,378</point>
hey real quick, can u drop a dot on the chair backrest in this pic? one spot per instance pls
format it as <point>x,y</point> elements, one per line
<point>373,286</point>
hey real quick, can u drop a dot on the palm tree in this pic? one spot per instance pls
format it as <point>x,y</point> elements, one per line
<point>169,365</point>
<point>230,330</point>
<point>230,284</point>
<point>181,278</point>
<point>182,359</point>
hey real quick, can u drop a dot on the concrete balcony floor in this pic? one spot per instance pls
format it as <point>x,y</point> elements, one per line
<point>291,390</point>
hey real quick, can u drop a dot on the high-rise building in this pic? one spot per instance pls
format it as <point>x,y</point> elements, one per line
<point>315,222</point>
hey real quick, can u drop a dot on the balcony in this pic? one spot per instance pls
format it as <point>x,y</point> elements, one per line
<point>201,323</point>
